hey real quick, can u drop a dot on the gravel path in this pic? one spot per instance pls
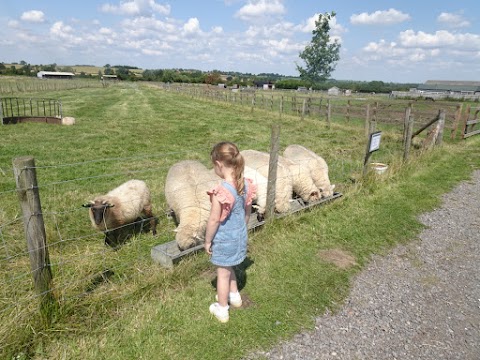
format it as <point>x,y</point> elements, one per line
<point>421,301</point>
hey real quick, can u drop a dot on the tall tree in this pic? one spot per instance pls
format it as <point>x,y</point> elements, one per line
<point>322,54</point>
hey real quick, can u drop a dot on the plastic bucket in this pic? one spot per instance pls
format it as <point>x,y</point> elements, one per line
<point>379,168</point>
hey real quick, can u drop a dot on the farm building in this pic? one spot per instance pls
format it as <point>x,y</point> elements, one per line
<point>449,87</point>
<point>335,91</point>
<point>55,75</point>
<point>441,89</point>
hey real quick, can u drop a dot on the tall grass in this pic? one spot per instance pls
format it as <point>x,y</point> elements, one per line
<point>120,304</point>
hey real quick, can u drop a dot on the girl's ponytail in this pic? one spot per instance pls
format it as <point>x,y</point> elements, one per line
<point>228,153</point>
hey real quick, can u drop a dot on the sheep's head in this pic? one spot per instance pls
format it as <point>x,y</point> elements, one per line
<point>189,235</point>
<point>314,196</point>
<point>98,209</point>
<point>327,191</point>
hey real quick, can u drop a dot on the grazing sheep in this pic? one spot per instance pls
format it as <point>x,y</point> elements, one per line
<point>186,189</point>
<point>283,189</point>
<point>302,182</point>
<point>260,182</point>
<point>317,165</point>
<point>122,206</point>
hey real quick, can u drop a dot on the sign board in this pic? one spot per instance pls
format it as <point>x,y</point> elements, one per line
<point>374,142</point>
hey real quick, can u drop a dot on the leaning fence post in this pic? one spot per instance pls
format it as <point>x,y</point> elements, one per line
<point>272,171</point>
<point>441,126</point>
<point>29,197</point>
<point>408,138</point>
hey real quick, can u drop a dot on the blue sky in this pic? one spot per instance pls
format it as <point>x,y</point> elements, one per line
<point>392,41</point>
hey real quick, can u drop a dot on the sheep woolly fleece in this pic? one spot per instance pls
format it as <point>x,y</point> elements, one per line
<point>259,161</point>
<point>186,189</point>
<point>261,183</point>
<point>302,182</point>
<point>315,163</point>
<point>130,200</point>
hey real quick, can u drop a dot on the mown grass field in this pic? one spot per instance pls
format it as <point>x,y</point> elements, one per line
<point>145,311</point>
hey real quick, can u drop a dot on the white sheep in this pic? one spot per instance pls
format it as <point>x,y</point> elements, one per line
<point>315,163</point>
<point>302,182</point>
<point>283,190</point>
<point>186,189</point>
<point>121,206</point>
<point>261,183</point>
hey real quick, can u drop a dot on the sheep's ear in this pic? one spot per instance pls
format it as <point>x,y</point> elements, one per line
<point>110,205</point>
<point>88,205</point>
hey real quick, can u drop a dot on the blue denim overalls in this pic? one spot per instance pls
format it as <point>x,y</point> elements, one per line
<point>229,246</point>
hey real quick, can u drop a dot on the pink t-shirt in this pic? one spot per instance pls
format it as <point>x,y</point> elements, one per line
<point>226,198</point>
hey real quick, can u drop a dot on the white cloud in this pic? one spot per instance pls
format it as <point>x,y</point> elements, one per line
<point>255,9</point>
<point>13,24</point>
<point>452,20</point>
<point>388,17</point>
<point>192,26</point>
<point>60,29</point>
<point>217,30</point>
<point>136,8</point>
<point>441,39</point>
<point>34,16</point>
<point>105,31</point>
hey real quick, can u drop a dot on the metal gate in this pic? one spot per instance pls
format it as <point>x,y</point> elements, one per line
<point>17,110</point>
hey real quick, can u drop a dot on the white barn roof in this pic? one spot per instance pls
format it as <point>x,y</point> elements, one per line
<point>41,74</point>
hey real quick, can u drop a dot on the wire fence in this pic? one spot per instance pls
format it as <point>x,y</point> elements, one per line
<point>17,84</point>
<point>320,105</point>
<point>80,260</point>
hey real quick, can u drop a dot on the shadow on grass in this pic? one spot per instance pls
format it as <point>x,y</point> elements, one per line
<point>240,273</point>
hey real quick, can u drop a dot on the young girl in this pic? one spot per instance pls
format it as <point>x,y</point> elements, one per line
<point>226,233</point>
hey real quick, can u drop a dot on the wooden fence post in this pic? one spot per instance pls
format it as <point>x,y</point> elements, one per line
<point>441,126</point>
<point>456,121</point>
<point>281,106</point>
<point>253,101</point>
<point>29,197</point>
<point>303,108</point>
<point>408,138</point>
<point>272,171</point>
<point>329,114</point>
<point>406,121</point>
<point>367,121</point>
<point>348,111</point>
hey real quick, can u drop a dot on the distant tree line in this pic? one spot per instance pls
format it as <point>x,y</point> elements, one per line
<point>214,77</point>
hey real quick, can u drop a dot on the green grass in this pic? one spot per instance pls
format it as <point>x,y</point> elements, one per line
<point>145,311</point>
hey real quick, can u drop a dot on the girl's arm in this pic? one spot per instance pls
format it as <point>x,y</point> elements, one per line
<point>212,224</point>
<point>248,211</point>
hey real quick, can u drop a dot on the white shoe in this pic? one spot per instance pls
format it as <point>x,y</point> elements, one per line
<point>234,299</point>
<point>220,312</point>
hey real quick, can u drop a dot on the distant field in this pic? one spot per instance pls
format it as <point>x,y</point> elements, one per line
<point>88,70</point>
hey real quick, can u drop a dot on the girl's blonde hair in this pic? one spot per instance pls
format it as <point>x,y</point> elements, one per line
<point>227,153</point>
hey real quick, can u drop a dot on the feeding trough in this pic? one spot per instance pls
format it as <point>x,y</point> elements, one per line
<point>31,110</point>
